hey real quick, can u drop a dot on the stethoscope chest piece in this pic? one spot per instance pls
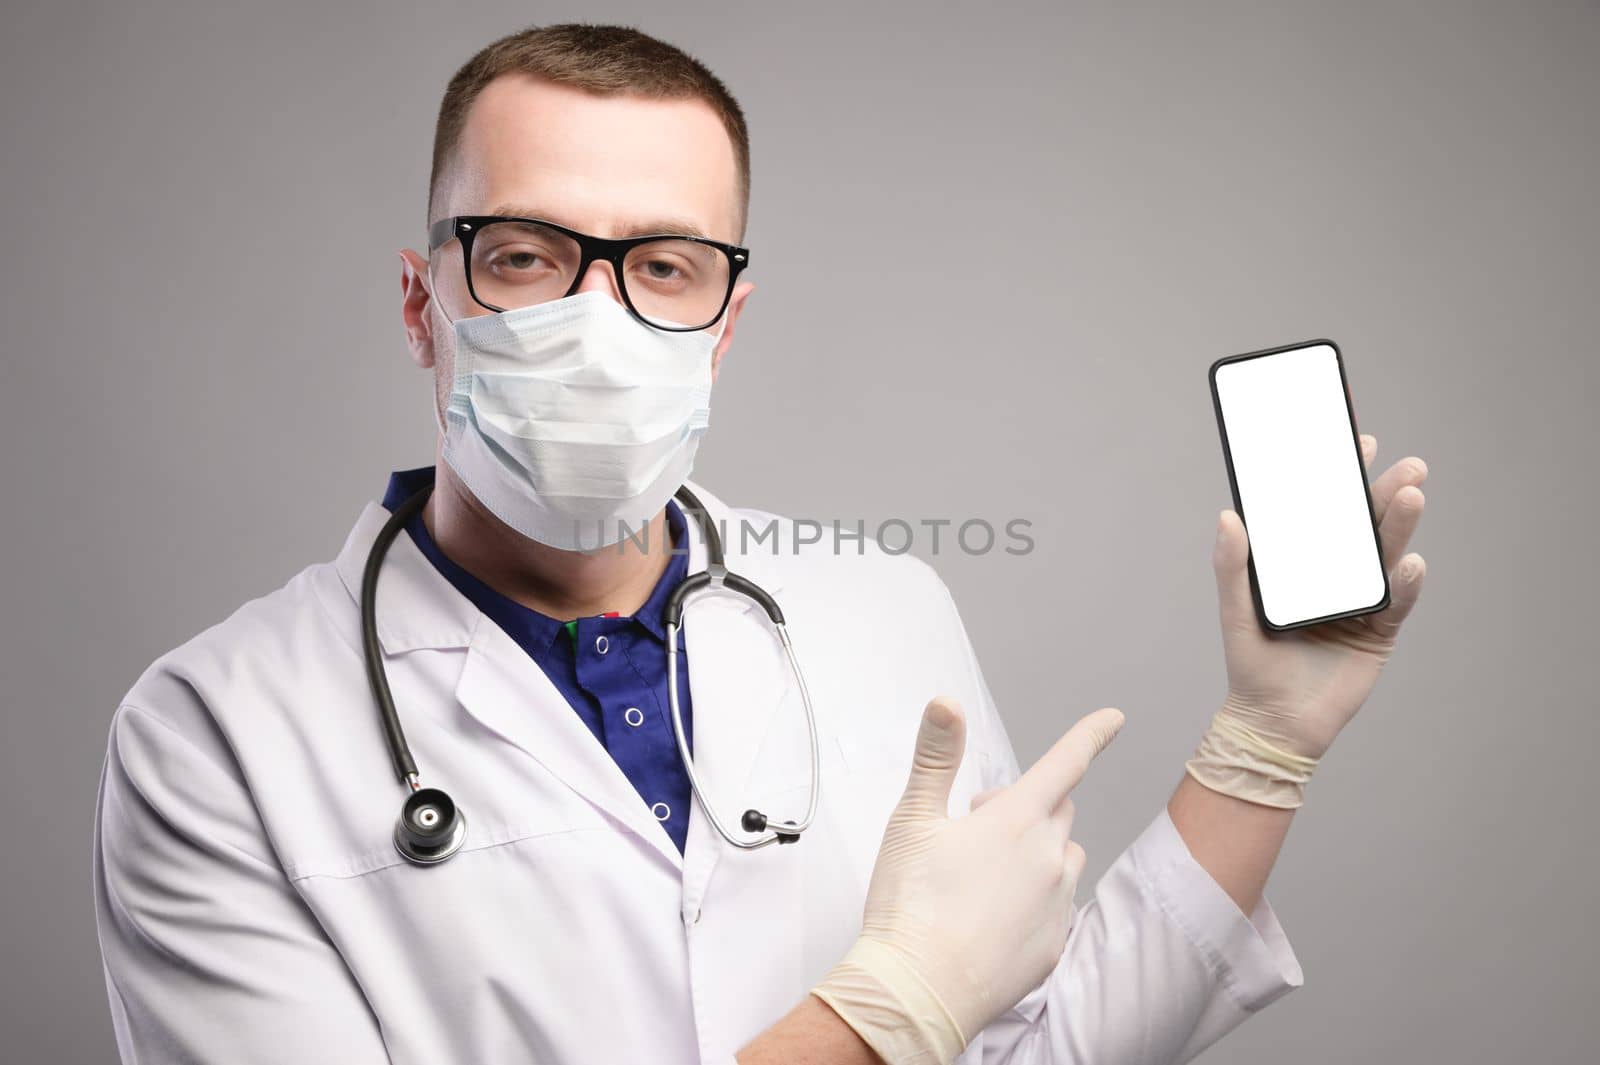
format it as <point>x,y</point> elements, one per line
<point>430,828</point>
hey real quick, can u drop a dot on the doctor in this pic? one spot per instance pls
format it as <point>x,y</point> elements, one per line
<point>251,902</point>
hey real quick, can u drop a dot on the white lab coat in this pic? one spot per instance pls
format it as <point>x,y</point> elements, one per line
<point>252,908</point>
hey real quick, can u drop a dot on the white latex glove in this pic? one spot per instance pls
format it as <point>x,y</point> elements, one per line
<point>1290,693</point>
<point>964,916</point>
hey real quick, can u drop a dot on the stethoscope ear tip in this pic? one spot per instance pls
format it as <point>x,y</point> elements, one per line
<point>431,828</point>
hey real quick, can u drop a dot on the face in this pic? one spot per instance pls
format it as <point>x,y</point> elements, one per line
<point>611,166</point>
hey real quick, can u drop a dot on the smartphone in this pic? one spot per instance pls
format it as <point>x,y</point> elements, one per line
<point>1294,462</point>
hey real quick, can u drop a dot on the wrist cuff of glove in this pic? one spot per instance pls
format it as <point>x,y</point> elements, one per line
<point>878,993</point>
<point>1236,760</point>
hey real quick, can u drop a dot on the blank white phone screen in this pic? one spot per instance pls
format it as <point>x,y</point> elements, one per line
<point>1301,485</point>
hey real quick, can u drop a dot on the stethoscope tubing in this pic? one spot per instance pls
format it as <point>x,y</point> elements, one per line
<point>431,827</point>
<point>399,751</point>
<point>753,820</point>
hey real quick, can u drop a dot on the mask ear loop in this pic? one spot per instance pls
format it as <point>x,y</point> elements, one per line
<point>433,395</point>
<point>724,328</point>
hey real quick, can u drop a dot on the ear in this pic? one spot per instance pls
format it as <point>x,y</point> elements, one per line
<point>416,302</point>
<point>741,292</point>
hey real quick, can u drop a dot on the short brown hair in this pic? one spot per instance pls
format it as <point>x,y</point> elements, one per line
<point>600,59</point>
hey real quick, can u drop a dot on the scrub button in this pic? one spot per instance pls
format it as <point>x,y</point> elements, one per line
<point>661,810</point>
<point>633,716</point>
<point>601,645</point>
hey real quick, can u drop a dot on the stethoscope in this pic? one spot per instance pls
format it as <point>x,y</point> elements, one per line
<point>432,827</point>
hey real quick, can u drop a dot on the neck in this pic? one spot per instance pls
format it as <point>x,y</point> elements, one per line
<point>558,584</point>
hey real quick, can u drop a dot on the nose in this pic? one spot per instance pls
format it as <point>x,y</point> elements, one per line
<point>600,277</point>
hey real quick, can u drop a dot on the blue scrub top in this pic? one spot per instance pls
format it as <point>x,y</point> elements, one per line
<point>618,685</point>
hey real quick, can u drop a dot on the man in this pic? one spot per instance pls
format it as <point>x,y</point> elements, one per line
<point>253,904</point>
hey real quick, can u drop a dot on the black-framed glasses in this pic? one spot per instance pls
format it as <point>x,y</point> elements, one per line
<point>669,282</point>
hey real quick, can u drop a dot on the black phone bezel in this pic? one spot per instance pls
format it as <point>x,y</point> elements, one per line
<point>1238,506</point>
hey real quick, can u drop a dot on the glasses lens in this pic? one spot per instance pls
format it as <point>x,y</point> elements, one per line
<point>518,264</point>
<point>676,283</point>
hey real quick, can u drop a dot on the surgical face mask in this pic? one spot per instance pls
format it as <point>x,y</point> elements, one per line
<point>572,421</point>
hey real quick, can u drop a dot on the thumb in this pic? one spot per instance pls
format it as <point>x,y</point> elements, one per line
<point>941,741</point>
<point>1230,559</point>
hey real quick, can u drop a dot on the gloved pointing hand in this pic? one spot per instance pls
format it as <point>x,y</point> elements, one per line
<point>964,916</point>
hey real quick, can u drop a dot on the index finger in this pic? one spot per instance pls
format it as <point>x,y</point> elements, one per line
<point>1060,768</point>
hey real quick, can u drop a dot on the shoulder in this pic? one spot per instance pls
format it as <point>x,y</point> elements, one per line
<point>836,557</point>
<point>199,690</point>
<point>875,605</point>
<point>879,632</point>
<point>182,750</point>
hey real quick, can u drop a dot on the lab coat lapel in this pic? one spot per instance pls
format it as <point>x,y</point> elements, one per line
<point>500,685</point>
<point>738,677</point>
<point>509,694</point>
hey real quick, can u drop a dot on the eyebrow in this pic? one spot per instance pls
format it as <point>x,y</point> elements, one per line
<point>678,227</point>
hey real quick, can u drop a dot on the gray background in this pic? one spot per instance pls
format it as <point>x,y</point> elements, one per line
<point>1074,209</point>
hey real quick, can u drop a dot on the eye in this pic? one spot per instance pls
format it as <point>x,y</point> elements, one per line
<point>660,269</point>
<point>665,271</point>
<point>517,260</point>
